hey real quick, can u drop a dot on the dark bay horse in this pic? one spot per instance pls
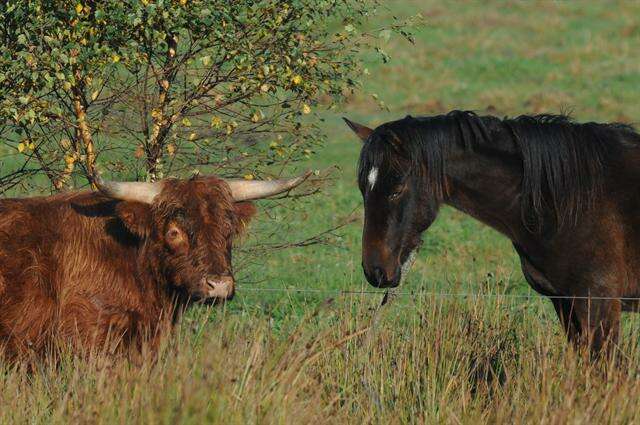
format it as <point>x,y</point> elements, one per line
<point>567,195</point>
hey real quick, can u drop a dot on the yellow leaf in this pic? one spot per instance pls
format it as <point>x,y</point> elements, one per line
<point>65,143</point>
<point>115,58</point>
<point>32,146</point>
<point>145,2</point>
<point>95,94</point>
<point>69,159</point>
<point>171,148</point>
<point>183,2</point>
<point>186,122</point>
<point>248,177</point>
<point>296,79</point>
<point>231,127</point>
<point>79,7</point>
<point>21,147</point>
<point>216,122</point>
<point>305,108</point>
<point>192,136</point>
<point>256,117</point>
<point>264,88</point>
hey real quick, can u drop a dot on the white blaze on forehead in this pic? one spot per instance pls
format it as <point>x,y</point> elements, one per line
<point>373,176</point>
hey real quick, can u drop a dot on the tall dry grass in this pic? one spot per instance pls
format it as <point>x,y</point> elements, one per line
<point>429,361</point>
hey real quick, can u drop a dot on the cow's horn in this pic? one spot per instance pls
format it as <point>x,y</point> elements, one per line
<point>128,191</point>
<point>246,190</point>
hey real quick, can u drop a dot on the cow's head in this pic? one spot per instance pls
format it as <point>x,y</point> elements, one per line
<point>187,227</point>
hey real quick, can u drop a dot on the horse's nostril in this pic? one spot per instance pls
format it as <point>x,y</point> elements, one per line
<point>379,276</point>
<point>376,277</point>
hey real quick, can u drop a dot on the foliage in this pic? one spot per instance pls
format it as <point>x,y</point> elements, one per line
<point>168,87</point>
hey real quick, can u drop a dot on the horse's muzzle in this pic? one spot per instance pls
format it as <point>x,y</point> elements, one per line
<point>378,278</point>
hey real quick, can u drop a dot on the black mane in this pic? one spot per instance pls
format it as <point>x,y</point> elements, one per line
<point>562,160</point>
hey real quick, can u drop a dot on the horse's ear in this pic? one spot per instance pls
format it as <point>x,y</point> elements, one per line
<point>362,131</point>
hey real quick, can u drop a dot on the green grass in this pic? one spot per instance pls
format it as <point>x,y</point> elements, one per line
<point>270,357</point>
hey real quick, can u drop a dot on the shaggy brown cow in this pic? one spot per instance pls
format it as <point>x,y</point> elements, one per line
<point>95,269</point>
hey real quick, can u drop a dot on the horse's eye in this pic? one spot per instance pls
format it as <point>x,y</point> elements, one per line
<point>395,195</point>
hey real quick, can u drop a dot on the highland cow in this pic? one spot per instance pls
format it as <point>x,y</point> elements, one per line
<point>100,270</point>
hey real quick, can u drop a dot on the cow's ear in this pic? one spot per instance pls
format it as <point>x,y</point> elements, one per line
<point>244,213</point>
<point>136,217</point>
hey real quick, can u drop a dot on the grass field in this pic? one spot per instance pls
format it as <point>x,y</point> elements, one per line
<point>275,355</point>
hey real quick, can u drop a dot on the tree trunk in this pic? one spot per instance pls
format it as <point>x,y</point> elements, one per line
<point>161,123</point>
<point>83,134</point>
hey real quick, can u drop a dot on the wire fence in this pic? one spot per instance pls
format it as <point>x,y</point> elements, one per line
<point>433,294</point>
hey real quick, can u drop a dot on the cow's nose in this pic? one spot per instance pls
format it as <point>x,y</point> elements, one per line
<point>220,287</point>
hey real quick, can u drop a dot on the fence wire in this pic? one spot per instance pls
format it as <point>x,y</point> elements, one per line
<point>416,294</point>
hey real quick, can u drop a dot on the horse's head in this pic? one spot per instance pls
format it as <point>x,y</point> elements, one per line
<point>398,205</point>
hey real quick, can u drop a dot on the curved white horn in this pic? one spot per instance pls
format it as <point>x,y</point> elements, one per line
<point>247,190</point>
<point>128,191</point>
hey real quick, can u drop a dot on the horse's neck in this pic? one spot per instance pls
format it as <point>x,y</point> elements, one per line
<point>487,187</point>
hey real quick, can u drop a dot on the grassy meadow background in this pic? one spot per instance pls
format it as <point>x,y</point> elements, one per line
<point>276,355</point>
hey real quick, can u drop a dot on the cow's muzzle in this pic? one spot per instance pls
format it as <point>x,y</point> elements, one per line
<point>219,288</point>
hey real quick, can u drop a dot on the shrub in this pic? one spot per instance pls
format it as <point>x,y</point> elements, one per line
<point>152,88</point>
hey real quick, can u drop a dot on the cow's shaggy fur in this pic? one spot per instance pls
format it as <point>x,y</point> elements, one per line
<point>92,272</point>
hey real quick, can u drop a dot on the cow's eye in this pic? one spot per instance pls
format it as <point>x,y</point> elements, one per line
<point>173,234</point>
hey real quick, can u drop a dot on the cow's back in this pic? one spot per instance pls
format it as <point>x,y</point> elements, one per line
<point>67,272</point>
